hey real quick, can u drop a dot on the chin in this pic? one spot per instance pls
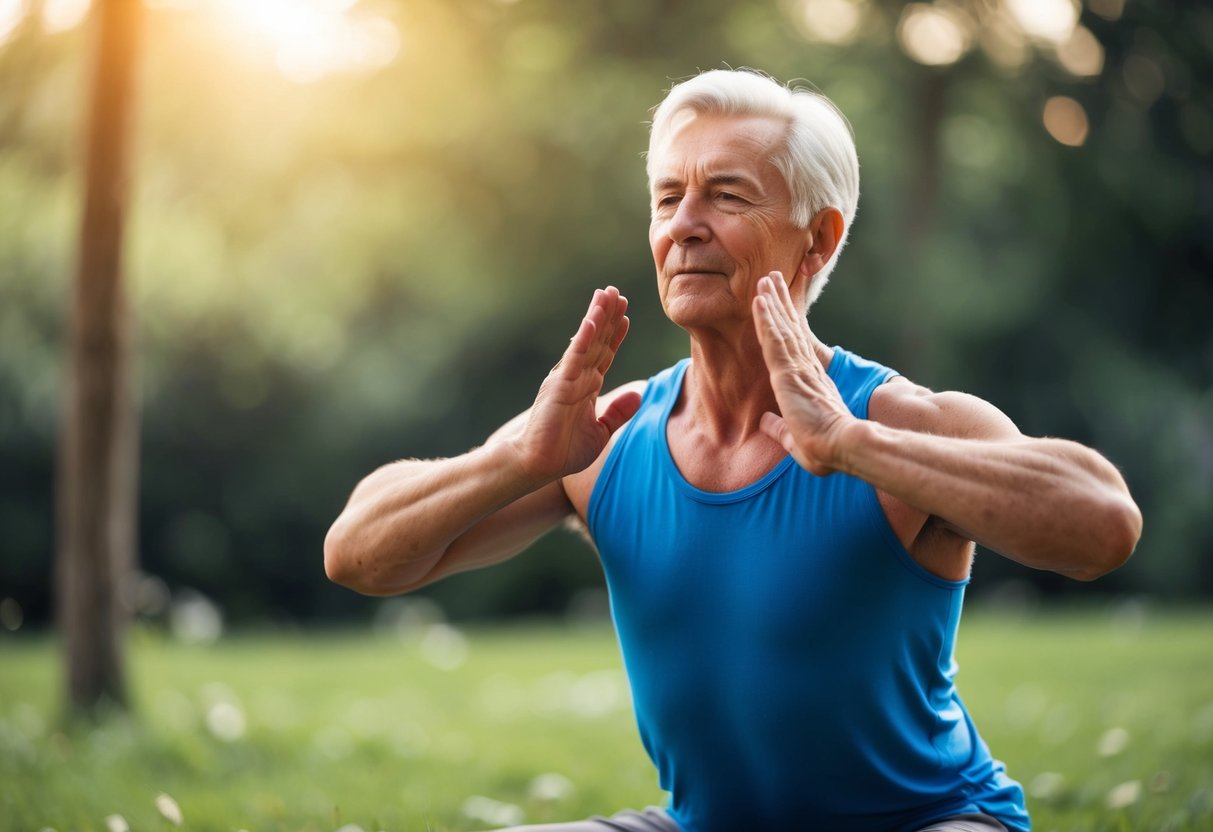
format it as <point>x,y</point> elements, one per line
<point>693,310</point>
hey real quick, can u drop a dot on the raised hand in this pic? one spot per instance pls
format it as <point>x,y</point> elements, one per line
<point>564,433</point>
<point>813,412</point>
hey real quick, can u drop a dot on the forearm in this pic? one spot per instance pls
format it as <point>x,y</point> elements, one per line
<point>413,522</point>
<point>1047,503</point>
<point>405,517</point>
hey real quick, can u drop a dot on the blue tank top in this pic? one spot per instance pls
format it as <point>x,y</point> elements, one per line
<point>791,664</point>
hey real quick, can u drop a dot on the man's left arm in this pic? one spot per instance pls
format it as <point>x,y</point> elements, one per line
<point>1047,503</point>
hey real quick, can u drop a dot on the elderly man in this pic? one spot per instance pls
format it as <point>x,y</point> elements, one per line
<point>786,528</point>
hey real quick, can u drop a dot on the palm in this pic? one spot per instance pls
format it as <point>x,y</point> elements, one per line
<point>564,432</point>
<point>812,410</point>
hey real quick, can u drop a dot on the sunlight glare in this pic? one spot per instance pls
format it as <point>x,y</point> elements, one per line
<point>1066,120</point>
<point>315,38</point>
<point>934,35</point>
<point>61,15</point>
<point>1048,20</point>
<point>832,21</point>
<point>1004,43</point>
<point>11,14</point>
<point>1082,55</point>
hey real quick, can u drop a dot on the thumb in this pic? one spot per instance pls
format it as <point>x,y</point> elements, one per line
<point>775,427</point>
<point>621,408</point>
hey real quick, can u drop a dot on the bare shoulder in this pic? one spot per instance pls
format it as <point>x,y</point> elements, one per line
<point>936,545</point>
<point>580,486</point>
<point>900,403</point>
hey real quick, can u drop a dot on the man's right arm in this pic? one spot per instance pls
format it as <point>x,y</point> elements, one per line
<point>415,521</point>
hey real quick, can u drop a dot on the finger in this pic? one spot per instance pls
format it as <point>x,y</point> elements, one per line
<point>798,317</point>
<point>595,315</point>
<point>772,319</point>
<point>617,337</point>
<point>621,408</point>
<point>611,332</point>
<point>784,295</point>
<point>793,321</point>
<point>621,331</point>
<point>770,337</point>
<point>582,338</point>
<point>617,310</point>
<point>775,427</point>
<point>769,291</point>
<point>612,303</point>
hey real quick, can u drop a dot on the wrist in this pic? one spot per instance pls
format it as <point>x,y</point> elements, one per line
<point>850,439</point>
<point>512,457</point>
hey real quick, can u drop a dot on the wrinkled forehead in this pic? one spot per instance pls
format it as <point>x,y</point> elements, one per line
<point>694,140</point>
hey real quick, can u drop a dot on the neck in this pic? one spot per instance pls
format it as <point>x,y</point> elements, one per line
<point>728,387</point>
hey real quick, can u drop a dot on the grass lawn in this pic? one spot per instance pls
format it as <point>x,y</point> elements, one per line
<point>1106,717</point>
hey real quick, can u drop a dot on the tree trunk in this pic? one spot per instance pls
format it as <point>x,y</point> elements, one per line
<point>99,439</point>
<point>923,197</point>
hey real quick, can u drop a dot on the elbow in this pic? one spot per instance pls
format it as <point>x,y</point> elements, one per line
<point>345,564</point>
<point>351,562</point>
<point>1119,531</point>
<point>338,561</point>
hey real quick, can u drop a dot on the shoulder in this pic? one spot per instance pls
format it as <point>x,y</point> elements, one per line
<point>900,403</point>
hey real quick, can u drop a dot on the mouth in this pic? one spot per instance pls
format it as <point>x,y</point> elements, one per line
<point>694,273</point>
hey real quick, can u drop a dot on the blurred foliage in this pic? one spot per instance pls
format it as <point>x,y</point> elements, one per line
<point>378,264</point>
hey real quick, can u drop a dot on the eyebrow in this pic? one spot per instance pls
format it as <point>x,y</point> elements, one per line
<point>669,182</point>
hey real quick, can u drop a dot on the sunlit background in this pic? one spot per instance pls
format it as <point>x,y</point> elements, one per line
<point>361,230</point>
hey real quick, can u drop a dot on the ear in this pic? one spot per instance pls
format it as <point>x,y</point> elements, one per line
<point>824,232</point>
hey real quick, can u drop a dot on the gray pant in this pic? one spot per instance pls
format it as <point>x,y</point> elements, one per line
<point>653,819</point>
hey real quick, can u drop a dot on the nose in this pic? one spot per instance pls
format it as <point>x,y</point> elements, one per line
<point>689,223</point>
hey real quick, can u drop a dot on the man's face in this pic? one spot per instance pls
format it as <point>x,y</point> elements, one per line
<point>721,219</point>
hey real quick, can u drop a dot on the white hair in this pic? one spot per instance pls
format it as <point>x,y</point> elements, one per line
<point>818,160</point>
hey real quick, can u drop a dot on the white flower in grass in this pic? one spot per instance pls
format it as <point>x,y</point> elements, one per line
<point>1113,741</point>
<point>598,694</point>
<point>493,812</point>
<point>226,721</point>
<point>1124,795</point>
<point>444,647</point>
<point>116,823</point>
<point>551,786</point>
<point>334,743</point>
<point>1046,785</point>
<point>169,810</point>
